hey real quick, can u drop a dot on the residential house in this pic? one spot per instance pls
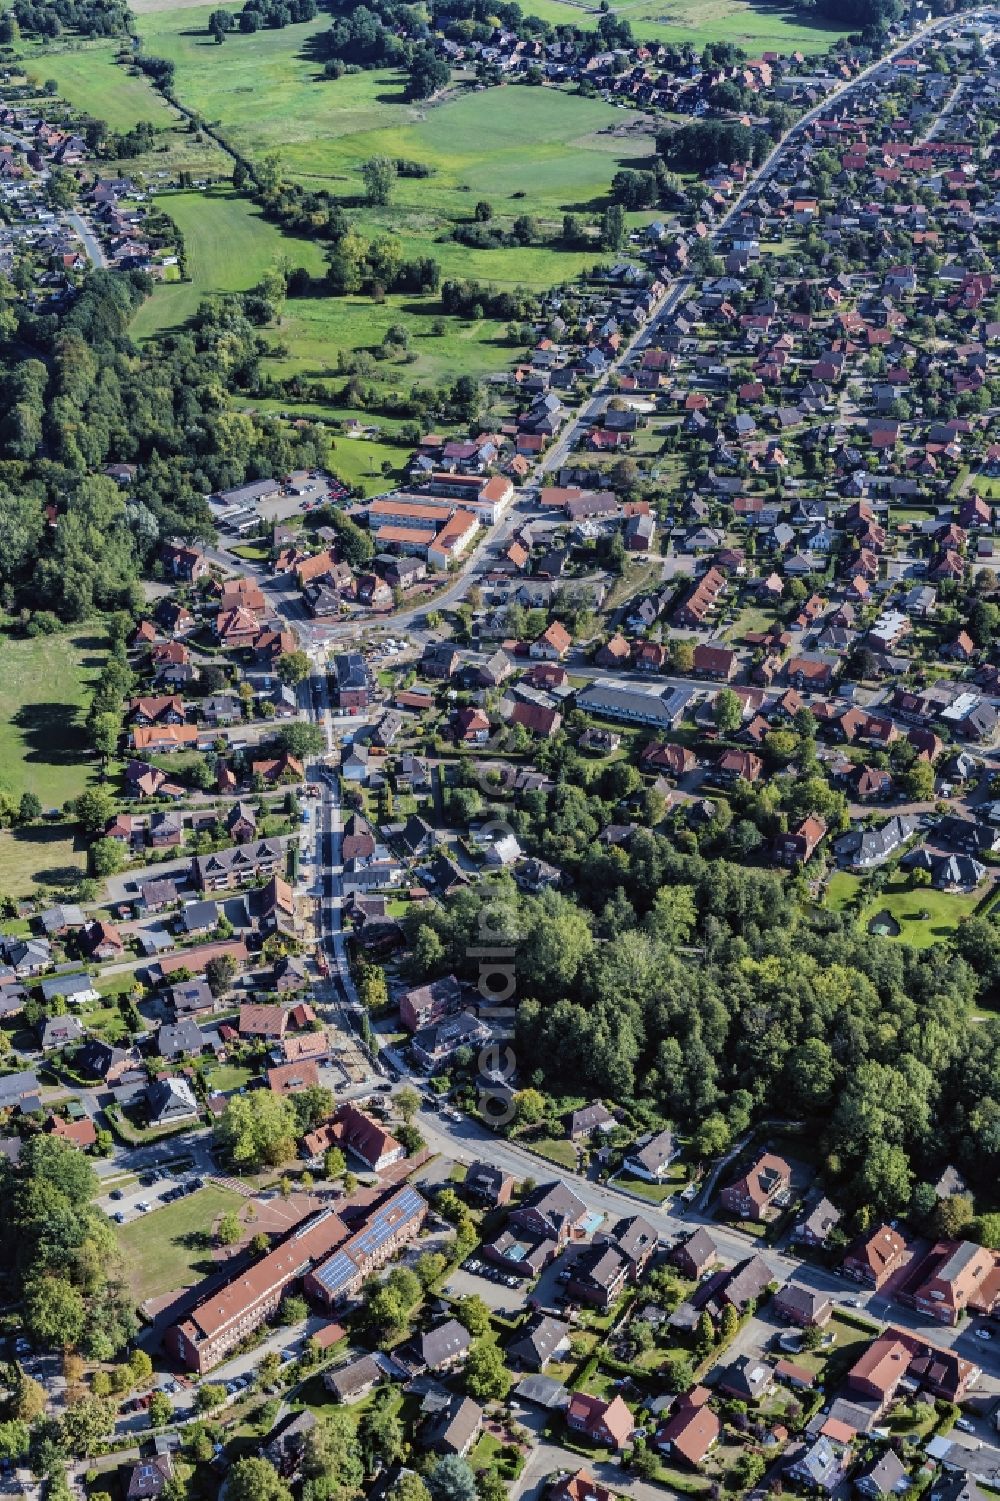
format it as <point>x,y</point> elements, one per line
<point>765,1184</point>
<point>609,1423</point>
<point>876,1256</point>
<point>691,1431</point>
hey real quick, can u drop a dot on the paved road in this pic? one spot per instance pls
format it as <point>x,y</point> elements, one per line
<point>89,240</point>
<point>465,1140</point>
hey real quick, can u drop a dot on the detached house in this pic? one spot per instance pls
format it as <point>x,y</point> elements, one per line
<point>609,1423</point>
<point>766,1184</point>
<point>552,645</point>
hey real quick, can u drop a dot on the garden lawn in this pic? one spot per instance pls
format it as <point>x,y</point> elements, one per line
<point>167,1250</point>
<point>563,1153</point>
<point>656,1193</point>
<point>229,247</point>
<point>228,1076</point>
<point>44,688</point>
<point>904,902</point>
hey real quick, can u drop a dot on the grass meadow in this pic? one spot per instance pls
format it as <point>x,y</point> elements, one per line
<point>169,1248</point>
<point>91,79</point>
<point>229,247</point>
<point>44,687</point>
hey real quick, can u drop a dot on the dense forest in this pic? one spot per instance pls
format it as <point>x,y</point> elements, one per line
<point>88,398</point>
<point>711,995</point>
<point>49,18</point>
<point>59,1252</point>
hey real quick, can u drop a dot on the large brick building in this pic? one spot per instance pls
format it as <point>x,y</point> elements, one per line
<point>224,1318</point>
<point>390,1226</point>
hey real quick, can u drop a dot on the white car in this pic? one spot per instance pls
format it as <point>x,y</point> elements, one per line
<point>965,1425</point>
<point>983,1334</point>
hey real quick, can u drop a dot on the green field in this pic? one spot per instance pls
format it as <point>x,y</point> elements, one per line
<point>229,247</point>
<point>756,27</point>
<point>905,903</point>
<point>42,855</point>
<point>44,686</point>
<point>752,24</point>
<point>167,1249</point>
<point>91,81</point>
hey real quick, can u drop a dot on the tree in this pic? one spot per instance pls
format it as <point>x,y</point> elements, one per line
<point>140,1366</point>
<point>953,1217</point>
<point>88,1422</point>
<point>105,731</point>
<point>229,1230</point>
<point>55,1311</point>
<point>917,781</point>
<point>27,1396</point>
<point>380,1435</point>
<point>293,666</point>
<point>294,1310</point>
<point>301,739</point>
<point>255,1480</point>
<point>407,1102</point>
<point>386,1313</point>
<point>452,1480</point>
<point>334,1163</point>
<point>107,857</point>
<point>728,711</point>
<point>29,808</point>
<point>429,1267</point>
<point>210,1394</point>
<point>160,1410</point>
<point>258,1129</point>
<point>15,1438</point>
<point>93,810</point>
<point>379,173</point>
<point>614,229</point>
<point>486,1375</point>
<point>331,1460</point>
<point>884,1178</point>
<point>678,1374</point>
<point>729,1322</point>
<point>220,972</point>
<point>410,1487</point>
<point>472,1311</point>
<point>530,1107</point>
<point>704,1338</point>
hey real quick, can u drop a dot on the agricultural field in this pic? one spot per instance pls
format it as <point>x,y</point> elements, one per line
<point>44,687</point>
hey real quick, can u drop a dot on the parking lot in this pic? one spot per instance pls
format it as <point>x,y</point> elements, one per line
<point>152,1191</point>
<point>496,1295</point>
